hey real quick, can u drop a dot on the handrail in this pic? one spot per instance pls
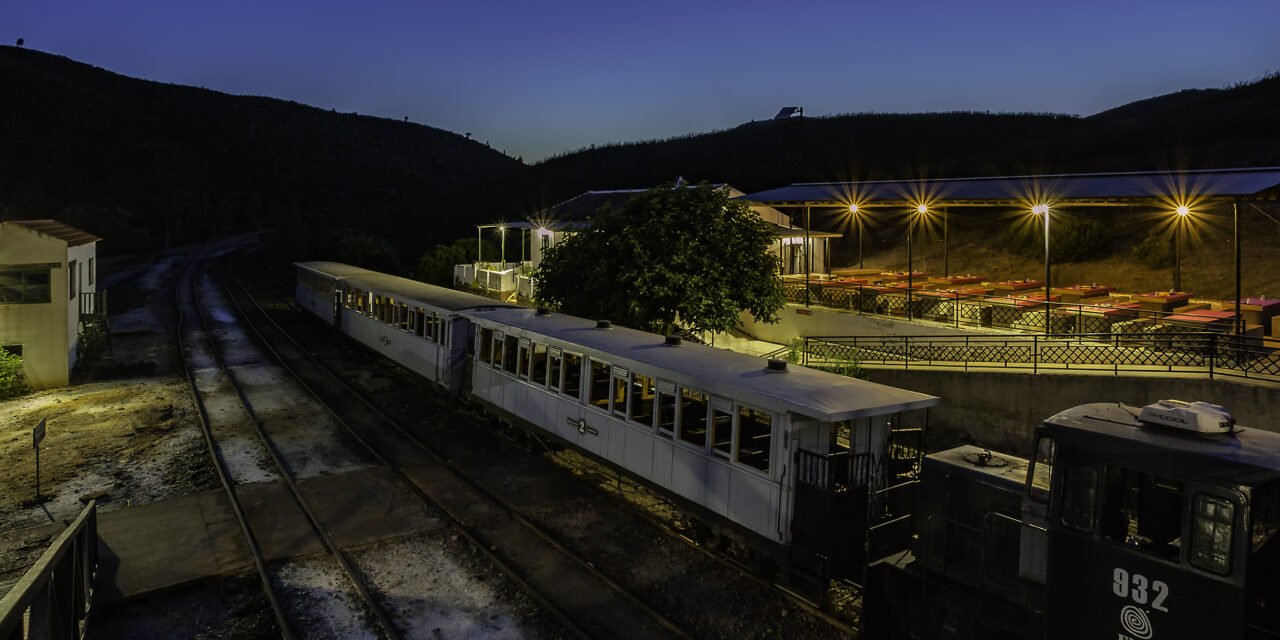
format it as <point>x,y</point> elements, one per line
<point>56,594</point>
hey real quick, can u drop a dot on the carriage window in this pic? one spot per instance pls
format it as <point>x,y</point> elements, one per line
<point>1143,511</point>
<point>640,408</point>
<point>509,347</point>
<point>553,376</point>
<point>437,324</point>
<point>1212,524</point>
<point>420,324</point>
<point>721,432</point>
<point>404,318</point>
<point>599,385</point>
<point>1041,476</point>
<point>1264,509</point>
<point>572,374</point>
<point>539,364</point>
<point>693,416</point>
<point>524,358</point>
<point>619,393</point>
<point>497,349</point>
<point>755,435</point>
<point>486,343</point>
<point>666,409</point>
<point>1079,493</point>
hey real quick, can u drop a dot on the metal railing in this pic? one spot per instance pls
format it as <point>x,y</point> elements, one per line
<point>1206,353</point>
<point>55,596</point>
<point>1025,310</point>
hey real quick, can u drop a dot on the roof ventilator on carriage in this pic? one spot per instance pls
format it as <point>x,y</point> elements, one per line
<point>1197,417</point>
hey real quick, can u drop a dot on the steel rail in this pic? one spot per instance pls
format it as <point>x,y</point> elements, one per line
<point>255,551</point>
<point>808,605</point>
<point>505,506</point>
<point>326,538</point>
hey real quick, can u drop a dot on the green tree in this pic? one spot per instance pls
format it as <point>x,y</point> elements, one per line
<point>371,252</point>
<point>685,254</point>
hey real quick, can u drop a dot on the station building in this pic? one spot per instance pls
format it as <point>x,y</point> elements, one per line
<point>48,285</point>
<point>550,226</point>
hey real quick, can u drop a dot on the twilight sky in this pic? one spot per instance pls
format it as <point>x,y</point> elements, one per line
<point>536,78</point>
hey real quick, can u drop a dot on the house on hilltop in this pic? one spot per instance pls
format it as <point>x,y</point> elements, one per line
<point>48,285</point>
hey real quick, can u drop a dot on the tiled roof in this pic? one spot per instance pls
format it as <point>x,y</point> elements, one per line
<point>72,236</point>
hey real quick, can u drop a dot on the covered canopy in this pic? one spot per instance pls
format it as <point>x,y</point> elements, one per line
<point>1082,188</point>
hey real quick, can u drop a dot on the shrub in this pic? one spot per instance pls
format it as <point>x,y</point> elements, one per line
<point>1071,240</point>
<point>13,382</point>
<point>1154,251</point>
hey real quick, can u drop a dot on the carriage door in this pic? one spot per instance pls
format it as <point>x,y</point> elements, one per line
<point>829,522</point>
<point>337,309</point>
<point>1033,554</point>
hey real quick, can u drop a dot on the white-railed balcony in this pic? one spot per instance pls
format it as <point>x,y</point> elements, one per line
<point>501,278</point>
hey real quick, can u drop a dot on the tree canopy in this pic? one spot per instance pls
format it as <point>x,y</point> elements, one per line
<point>671,253</point>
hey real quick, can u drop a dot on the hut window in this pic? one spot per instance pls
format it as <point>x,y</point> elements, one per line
<point>71,280</point>
<point>693,416</point>
<point>24,286</point>
<point>598,387</point>
<point>755,437</point>
<point>1212,524</point>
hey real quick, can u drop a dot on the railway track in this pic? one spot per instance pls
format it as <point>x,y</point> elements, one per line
<point>810,606</point>
<point>206,377</point>
<point>587,602</point>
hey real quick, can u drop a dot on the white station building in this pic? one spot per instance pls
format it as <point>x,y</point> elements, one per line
<point>48,276</point>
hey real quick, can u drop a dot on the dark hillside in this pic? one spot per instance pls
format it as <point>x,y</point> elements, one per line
<point>127,158</point>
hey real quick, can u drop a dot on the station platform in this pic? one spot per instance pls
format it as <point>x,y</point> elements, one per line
<point>165,544</point>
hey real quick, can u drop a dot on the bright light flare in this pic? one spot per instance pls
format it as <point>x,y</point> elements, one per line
<point>854,208</point>
<point>1183,210</point>
<point>922,209</point>
<point>1040,209</point>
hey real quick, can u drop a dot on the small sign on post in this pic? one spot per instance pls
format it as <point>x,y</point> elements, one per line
<point>37,435</point>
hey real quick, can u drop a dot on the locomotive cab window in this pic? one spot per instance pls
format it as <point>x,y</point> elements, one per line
<point>1143,511</point>
<point>572,375</point>
<point>755,437</point>
<point>486,345</point>
<point>693,416</point>
<point>1212,533</point>
<point>1040,478</point>
<point>598,387</point>
<point>1079,496</point>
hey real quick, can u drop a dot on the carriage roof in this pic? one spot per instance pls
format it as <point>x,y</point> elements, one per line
<point>402,289</point>
<point>1247,457</point>
<point>810,392</point>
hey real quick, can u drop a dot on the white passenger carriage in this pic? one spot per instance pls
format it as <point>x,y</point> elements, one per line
<point>413,323</point>
<point>717,428</point>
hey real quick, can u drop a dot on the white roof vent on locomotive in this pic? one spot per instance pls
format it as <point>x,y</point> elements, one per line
<point>1196,417</point>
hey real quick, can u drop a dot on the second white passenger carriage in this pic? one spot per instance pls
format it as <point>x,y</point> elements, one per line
<point>797,457</point>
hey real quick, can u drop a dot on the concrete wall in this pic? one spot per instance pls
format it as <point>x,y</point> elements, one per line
<point>999,410</point>
<point>798,321</point>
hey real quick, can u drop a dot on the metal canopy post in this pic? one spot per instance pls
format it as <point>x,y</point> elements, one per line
<point>808,263</point>
<point>1177,255</point>
<point>479,245</point>
<point>911,219</point>
<point>1047,299</point>
<point>946,258</point>
<point>1235,217</point>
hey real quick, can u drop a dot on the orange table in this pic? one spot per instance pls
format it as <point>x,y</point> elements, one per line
<point>1082,292</point>
<point>1015,285</point>
<point>1163,301</point>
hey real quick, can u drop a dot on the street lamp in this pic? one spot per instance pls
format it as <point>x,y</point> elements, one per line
<point>921,210</point>
<point>1043,210</point>
<point>1182,211</point>
<point>854,210</point>
<point>502,234</point>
